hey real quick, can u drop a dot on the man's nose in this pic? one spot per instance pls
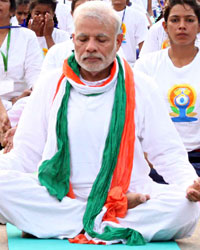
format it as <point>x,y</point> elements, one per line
<point>91,45</point>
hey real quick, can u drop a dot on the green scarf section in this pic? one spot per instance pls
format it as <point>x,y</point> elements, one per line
<point>54,174</point>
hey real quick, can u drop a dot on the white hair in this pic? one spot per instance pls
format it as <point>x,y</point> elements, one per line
<point>100,10</point>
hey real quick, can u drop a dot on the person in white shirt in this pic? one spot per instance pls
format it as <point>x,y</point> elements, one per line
<point>42,22</point>
<point>176,71</point>
<point>134,29</point>
<point>21,12</point>
<point>89,125</point>
<point>19,65</point>
<point>63,14</point>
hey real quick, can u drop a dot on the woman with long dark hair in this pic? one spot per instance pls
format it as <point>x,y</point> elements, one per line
<point>176,71</point>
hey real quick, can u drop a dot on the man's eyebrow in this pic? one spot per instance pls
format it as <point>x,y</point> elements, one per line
<point>101,35</point>
<point>81,34</point>
<point>85,35</point>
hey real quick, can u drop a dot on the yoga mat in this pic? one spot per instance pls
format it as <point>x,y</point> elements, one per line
<point>15,242</point>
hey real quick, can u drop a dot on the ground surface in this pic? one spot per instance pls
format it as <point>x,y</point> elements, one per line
<point>192,243</point>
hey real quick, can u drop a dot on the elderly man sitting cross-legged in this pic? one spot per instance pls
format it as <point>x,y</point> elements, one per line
<point>86,129</point>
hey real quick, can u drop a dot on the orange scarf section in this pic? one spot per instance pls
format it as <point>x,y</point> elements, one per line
<point>116,202</point>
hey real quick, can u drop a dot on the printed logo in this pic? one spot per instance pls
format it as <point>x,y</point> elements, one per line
<point>123,30</point>
<point>182,99</point>
<point>165,44</point>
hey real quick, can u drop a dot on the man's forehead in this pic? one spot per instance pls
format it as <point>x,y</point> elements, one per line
<point>86,34</point>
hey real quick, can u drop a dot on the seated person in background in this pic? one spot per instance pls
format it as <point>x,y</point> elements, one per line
<point>176,72</point>
<point>21,12</point>
<point>134,29</point>
<point>89,126</point>
<point>64,17</point>
<point>19,66</point>
<point>158,39</point>
<point>42,21</point>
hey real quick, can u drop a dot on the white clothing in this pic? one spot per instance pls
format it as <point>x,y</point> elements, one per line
<point>14,20</point>
<point>57,54</point>
<point>88,122</point>
<point>24,62</point>
<point>138,7</point>
<point>134,32</point>
<point>15,112</point>
<point>63,14</point>
<point>58,37</point>
<point>157,39</point>
<point>142,3</point>
<point>169,77</point>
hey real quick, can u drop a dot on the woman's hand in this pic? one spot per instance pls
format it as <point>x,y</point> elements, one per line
<point>37,25</point>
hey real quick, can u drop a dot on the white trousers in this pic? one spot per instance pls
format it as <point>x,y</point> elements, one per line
<point>28,205</point>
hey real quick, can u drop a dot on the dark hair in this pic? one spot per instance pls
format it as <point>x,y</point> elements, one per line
<point>33,3</point>
<point>22,2</point>
<point>12,5</point>
<point>73,5</point>
<point>169,4</point>
<point>52,3</point>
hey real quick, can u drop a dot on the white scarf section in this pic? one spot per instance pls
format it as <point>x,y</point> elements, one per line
<point>51,143</point>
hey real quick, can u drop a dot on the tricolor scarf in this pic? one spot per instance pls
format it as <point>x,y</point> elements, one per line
<point>113,179</point>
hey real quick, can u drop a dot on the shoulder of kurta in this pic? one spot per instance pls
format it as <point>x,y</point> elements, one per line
<point>148,61</point>
<point>48,80</point>
<point>145,85</point>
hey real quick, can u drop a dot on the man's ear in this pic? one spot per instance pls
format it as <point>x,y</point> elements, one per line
<point>73,36</point>
<point>119,40</point>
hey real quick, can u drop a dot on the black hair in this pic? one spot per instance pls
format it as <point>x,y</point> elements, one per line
<point>52,3</point>
<point>169,4</point>
<point>12,5</point>
<point>22,2</point>
<point>73,5</point>
<point>32,5</point>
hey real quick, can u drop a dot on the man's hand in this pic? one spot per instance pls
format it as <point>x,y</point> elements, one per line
<point>193,191</point>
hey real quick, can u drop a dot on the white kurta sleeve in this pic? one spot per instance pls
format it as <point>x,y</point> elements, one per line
<point>160,139</point>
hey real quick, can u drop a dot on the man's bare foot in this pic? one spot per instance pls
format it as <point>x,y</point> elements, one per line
<point>135,199</point>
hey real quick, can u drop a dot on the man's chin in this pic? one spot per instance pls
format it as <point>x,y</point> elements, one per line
<point>93,68</point>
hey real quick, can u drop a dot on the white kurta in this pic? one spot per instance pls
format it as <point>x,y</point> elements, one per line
<point>89,118</point>
<point>24,61</point>
<point>169,78</point>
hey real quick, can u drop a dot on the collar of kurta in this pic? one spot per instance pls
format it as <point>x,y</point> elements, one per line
<point>111,184</point>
